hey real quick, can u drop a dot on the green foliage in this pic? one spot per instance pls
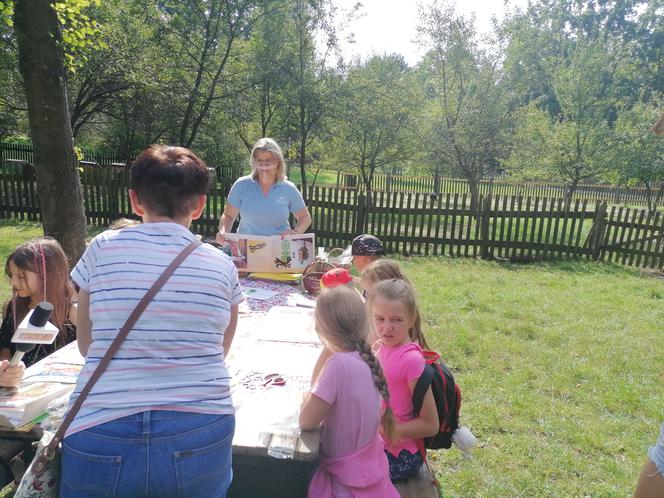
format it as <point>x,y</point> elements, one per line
<point>637,154</point>
<point>6,12</point>
<point>376,110</point>
<point>216,75</point>
<point>571,145</point>
<point>464,113</point>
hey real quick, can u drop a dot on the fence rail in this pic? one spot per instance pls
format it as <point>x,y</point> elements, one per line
<point>611,194</point>
<point>18,159</point>
<point>519,228</point>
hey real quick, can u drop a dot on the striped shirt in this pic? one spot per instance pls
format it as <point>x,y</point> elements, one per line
<point>172,358</point>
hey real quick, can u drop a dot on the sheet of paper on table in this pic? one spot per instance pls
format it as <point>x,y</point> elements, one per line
<point>289,324</point>
<point>283,342</point>
<point>256,293</point>
<point>62,366</point>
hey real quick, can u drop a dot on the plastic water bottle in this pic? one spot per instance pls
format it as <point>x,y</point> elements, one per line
<point>465,441</point>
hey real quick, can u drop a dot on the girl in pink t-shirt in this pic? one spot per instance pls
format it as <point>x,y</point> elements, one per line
<point>394,318</point>
<point>347,385</point>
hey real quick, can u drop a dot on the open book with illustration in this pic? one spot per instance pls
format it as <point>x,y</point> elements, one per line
<point>254,253</point>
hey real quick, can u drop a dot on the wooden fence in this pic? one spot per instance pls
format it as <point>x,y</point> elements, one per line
<point>17,159</point>
<point>611,194</point>
<point>511,227</point>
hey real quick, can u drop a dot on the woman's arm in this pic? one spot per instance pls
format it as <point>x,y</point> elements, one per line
<point>426,424</point>
<point>226,221</point>
<point>303,220</point>
<point>84,324</point>
<point>229,334</point>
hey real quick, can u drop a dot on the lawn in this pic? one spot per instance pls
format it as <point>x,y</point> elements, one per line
<point>560,366</point>
<point>561,369</point>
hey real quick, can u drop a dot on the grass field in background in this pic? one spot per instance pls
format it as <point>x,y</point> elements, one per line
<point>560,366</point>
<point>325,177</point>
<point>561,370</point>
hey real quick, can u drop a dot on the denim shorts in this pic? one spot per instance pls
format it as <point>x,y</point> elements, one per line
<point>656,453</point>
<point>150,454</point>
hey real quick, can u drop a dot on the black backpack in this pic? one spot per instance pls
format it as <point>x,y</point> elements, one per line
<point>447,396</point>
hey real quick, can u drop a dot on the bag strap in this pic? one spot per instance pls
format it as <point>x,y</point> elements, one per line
<point>423,384</point>
<point>49,452</point>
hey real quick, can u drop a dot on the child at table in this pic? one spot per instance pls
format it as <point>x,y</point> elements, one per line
<point>393,314</point>
<point>347,384</point>
<point>387,269</point>
<point>38,271</point>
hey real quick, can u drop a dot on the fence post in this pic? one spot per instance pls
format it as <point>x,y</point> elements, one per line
<point>598,229</point>
<point>617,194</point>
<point>338,177</point>
<point>484,208</point>
<point>361,214</point>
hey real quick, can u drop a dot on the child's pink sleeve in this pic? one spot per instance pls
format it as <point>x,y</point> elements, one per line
<point>412,364</point>
<point>327,386</point>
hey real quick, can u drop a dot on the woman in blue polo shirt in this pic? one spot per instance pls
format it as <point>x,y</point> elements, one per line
<point>265,199</point>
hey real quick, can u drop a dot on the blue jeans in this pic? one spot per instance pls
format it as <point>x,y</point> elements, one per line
<point>656,453</point>
<point>150,454</point>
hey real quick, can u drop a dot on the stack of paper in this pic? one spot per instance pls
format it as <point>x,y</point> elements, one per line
<point>29,401</point>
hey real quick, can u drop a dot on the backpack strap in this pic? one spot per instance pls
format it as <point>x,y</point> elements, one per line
<point>421,388</point>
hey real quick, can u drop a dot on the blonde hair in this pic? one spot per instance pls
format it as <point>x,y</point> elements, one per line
<point>383,269</point>
<point>341,319</point>
<point>387,269</point>
<point>397,289</point>
<point>269,145</point>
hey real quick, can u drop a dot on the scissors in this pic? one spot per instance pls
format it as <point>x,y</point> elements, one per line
<point>273,380</point>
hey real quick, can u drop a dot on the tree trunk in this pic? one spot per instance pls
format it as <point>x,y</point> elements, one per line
<point>570,188</point>
<point>474,187</point>
<point>41,61</point>
<point>437,178</point>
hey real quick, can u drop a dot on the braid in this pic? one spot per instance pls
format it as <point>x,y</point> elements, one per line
<point>387,419</point>
<point>341,318</point>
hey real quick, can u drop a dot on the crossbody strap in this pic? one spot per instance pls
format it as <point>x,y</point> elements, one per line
<point>49,452</point>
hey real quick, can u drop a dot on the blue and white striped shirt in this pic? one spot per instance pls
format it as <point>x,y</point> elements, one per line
<point>173,358</point>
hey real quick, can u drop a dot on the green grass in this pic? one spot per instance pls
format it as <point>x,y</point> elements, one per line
<point>13,233</point>
<point>325,177</point>
<point>560,366</point>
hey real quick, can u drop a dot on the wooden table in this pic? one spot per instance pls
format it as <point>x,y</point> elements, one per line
<point>271,456</point>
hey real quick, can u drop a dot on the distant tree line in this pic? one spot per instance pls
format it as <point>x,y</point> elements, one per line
<point>565,90</point>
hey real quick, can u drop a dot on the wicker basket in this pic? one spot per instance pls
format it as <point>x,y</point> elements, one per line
<point>312,274</point>
<point>311,282</point>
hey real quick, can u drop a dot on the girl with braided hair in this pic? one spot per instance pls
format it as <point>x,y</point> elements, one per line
<point>347,386</point>
<point>394,319</point>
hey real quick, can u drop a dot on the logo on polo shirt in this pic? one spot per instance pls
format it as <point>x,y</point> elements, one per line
<point>281,200</point>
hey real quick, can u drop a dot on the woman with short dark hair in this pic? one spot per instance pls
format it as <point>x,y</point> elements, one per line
<point>160,419</point>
